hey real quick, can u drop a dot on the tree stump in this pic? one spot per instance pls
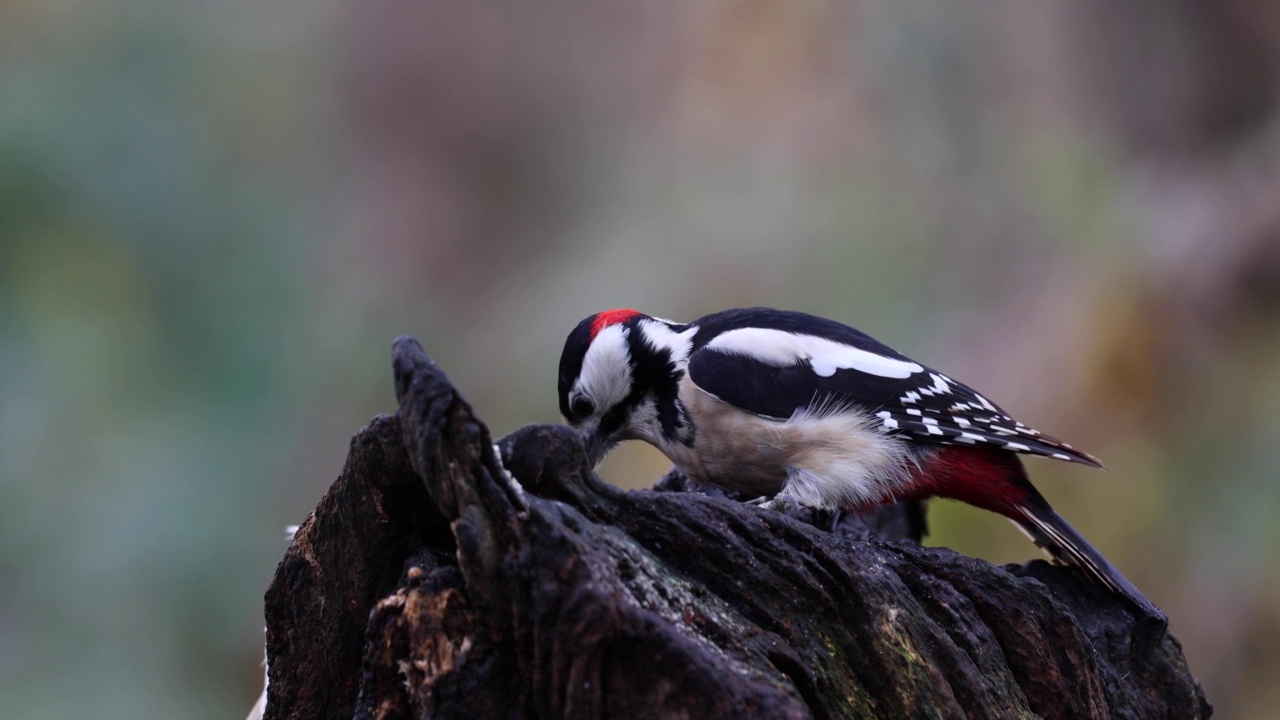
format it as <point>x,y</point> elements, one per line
<point>443,576</point>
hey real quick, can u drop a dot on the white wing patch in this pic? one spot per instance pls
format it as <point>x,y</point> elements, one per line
<point>780,348</point>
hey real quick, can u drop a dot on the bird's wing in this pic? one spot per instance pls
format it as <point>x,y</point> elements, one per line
<point>779,374</point>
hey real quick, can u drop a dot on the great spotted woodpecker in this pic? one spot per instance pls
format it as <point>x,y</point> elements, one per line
<point>814,413</point>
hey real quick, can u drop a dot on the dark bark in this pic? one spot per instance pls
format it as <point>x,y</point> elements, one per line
<point>429,584</point>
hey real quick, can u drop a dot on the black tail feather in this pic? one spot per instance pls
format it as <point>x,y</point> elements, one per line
<point>1063,543</point>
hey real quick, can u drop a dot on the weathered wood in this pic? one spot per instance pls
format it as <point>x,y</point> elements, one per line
<point>436,579</point>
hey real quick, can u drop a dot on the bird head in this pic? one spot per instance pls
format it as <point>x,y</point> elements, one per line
<point>618,379</point>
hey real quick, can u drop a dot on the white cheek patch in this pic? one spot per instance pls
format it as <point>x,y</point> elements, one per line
<point>606,369</point>
<point>780,349</point>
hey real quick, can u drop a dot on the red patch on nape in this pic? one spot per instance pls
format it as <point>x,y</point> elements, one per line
<point>611,317</point>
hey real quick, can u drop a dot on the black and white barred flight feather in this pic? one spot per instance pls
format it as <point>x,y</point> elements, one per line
<point>774,364</point>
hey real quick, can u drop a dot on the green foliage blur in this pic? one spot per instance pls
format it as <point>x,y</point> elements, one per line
<point>215,217</point>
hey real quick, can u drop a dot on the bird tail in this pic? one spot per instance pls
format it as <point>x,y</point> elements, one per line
<point>996,481</point>
<point>1061,541</point>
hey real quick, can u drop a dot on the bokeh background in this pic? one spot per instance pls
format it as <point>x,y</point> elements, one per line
<point>215,217</point>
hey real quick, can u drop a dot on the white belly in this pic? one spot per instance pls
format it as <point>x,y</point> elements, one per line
<point>832,460</point>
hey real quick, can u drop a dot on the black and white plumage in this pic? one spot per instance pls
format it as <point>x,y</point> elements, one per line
<point>774,363</point>
<point>812,412</point>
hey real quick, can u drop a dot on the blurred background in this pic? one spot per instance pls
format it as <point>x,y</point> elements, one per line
<point>215,217</point>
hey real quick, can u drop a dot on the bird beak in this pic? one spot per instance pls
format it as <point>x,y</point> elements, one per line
<point>596,447</point>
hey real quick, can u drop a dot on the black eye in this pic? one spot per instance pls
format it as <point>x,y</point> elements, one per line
<point>581,407</point>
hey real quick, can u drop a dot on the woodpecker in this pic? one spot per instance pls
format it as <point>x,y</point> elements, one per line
<point>814,413</point>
